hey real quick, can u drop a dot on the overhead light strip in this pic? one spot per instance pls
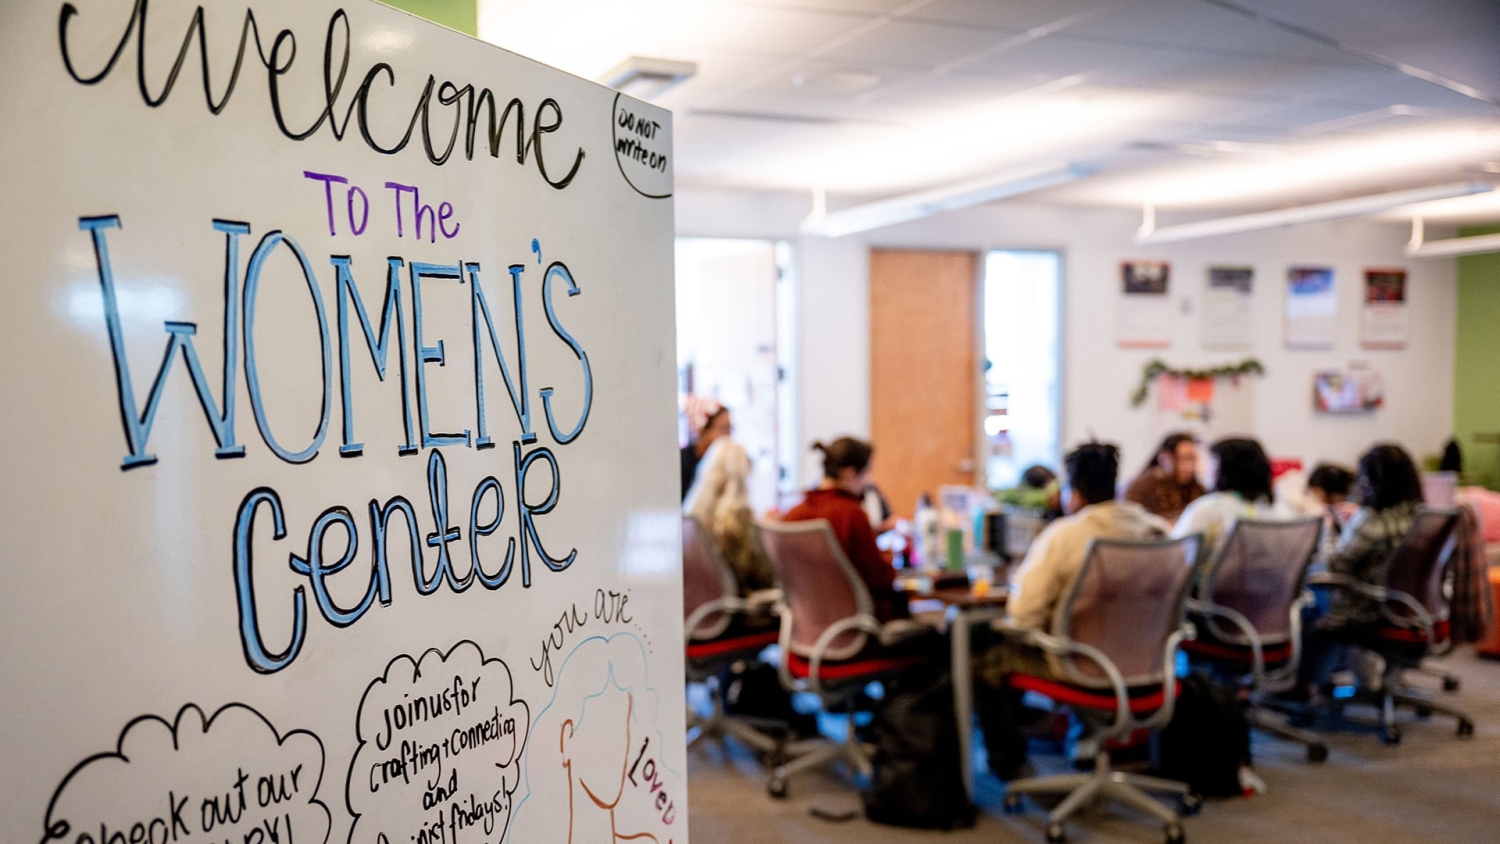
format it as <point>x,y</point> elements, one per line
<point>1340,209</point>
<point>914,206</point>
<point>1420,247</point>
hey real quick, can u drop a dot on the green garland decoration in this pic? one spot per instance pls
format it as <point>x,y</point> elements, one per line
<point>1157,368</point>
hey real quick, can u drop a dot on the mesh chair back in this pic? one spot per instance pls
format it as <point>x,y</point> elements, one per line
<point>818,584</point>
<point>706,577</point>
<point>1126,600</point>
<point>1258,573</point>
<point>1417,565</point>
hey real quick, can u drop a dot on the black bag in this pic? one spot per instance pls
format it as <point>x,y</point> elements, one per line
<point>918,779</point>
<point>753,689</point>
<point>1207,740</point>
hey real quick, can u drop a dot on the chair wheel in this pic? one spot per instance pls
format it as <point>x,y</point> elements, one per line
<point>1174,834</point>
<point>1465,728</point>
<point>1317,752</point>
<point>1012,804</point>
<point>1450,684</point>
<point>1390,735</point>
<point>777,787</point>
<point>1055,834</point>
<point>1189,804</point>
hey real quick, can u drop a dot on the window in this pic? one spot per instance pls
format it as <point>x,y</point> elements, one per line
<point>1022,349</point>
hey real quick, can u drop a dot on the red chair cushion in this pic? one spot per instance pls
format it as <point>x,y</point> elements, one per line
<point>1142,699</point>
<point>1392,633</point>
<point>750,642</point>
<point>1241,654</point>
<point>861,667</point>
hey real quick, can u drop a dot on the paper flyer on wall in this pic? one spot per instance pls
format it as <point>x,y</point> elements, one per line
<point>1384,323</point>
<point>1228,307</point>
<point>1143,315</point>
<point>1311,308</point>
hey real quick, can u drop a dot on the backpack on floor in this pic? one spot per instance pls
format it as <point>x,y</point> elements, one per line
<point>1207,740</point>
<point>917,781</point>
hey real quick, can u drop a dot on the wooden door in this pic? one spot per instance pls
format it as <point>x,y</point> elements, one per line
<point>924,371</point>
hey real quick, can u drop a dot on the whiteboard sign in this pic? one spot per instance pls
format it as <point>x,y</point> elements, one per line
<point>336,359</point>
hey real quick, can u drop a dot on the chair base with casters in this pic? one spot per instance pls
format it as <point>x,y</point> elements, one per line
<point>705,661</point>
<point>1105,783</point>
<point>838,686</point>
<point>1390,692</point>
<point>1133,709</point>
<point>1401,642</point>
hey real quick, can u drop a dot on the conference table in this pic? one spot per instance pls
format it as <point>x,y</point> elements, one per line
<point>957,610</point>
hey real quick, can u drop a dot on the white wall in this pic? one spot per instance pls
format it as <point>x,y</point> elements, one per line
<point>1098,376</point>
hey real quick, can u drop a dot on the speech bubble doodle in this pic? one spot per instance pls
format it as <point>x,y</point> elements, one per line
<point>230,778</point>
<point>599,743</point>
<point>440,744</point>
<point>642,134</point>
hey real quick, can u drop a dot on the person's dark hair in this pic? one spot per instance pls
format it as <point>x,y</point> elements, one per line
<point>1388,477</point>
<point>712,417</point>
<point>1092,471</point>
<point>1244,468</point>
<point>1168,446</point>
<point>1333,480</point>
<point>844,453</point>
<point>1037,477</point>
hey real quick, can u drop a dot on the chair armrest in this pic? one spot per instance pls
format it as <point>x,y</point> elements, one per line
<point>902,629</point>
<point>725,605</point>
<point>1257,651</point>
<point>864,623</point>
<point>1419,613</point>
<point>1060,646</point>
<point>763,599</point>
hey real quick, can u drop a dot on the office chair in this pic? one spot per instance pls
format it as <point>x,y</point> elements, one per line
<point>830,641</point>
<point>1113,653</point>
<point>1414,623</point>
<point>1247,608</point>
<point>720,629</point>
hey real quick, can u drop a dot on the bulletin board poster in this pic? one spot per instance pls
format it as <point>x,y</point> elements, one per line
<point>1384,322</point>
<point>1228,303</point>
<point>1143,319</point>
<point>337,381</point>
<point>1312,307</point>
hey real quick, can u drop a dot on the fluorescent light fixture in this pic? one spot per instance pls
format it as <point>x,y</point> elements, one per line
<point>643,77</point>
<point>1341,209</point>
<point>913,206</point>
<point>1419,247</point>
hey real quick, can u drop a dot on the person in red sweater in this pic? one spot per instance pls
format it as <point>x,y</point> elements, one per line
<point>846,475</point>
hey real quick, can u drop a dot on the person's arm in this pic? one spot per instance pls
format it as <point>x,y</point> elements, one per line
<point>874,570</point>
<point>1356,544</point>
<point>1035,585</point>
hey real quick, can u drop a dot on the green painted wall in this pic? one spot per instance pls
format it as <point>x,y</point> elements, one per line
<point>462,15</point>
<point>1476,375</point>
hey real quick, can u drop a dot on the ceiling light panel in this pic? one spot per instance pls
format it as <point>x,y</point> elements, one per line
<point>1009,14</point>
<point>588,37</point>
<point>1307,169</point>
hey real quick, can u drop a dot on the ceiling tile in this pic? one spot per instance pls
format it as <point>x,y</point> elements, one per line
<point>914,46</point>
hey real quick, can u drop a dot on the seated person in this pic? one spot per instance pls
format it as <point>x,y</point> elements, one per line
<point>1242,490</point>
<point>1170,481</point>
<point>839,499</point>
<point>1328,486</point>
<point>719,501</point>
<point>718,424</point>
<point>1038,584</point>
<point>878,510</point>
<point>1390,493</point>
